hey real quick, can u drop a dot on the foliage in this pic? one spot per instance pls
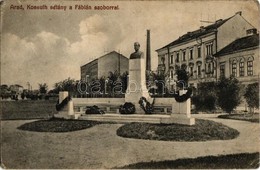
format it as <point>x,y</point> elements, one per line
<point>114,85</point>
<point>4,89</point>
<point>208,103</point>
<point>23,95</point>
<point>182,76</point>
<point>124,80</point>
<point>69,85</point>
<point>146,105</point>
<point>43,88</point>
<point>113,82</point>
<point>159,81</point>
<point>252,95</point>
<point>57,125</point>
<point>94,110</point>
<point>205,98</point>
<point>127,108</point>
<point>244,117</point>
<point>228,93</point>
<point>230,161</point>
<point>203,130</point>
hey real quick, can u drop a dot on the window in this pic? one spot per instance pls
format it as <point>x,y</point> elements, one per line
<point>199,52</point>
<point>222,70</point>
<point>241,68</point>
<point>177,57</point>
<point>162,60</point>
<point>234,68</point>
<point>209,67</point>
<point>199,70</point>
<point>184,56</point>
<point>250,66</point>
<point>209,48</point>
<point>171,59</point>
<point>191,71</point>
<point>171,74</point>
<point>191,54</point>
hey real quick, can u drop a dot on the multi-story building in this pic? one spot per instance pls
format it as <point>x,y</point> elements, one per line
<point>101,66</point>
<point>195,50</point>
<point>240,59</point>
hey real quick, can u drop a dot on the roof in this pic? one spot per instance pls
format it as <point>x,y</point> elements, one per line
<point>116,53</point>
<point>197,33</point>
<point>240,44</point>
<point>111,53</point>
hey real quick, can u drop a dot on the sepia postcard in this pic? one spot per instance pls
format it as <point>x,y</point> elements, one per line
<point>92,84</point>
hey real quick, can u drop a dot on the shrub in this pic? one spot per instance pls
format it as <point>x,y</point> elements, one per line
<point>94,110</point>
<point>205,98</point>
<point>228,93</point>
<point>127,108</point>
<point>252,95</point>
<point>22,95</point>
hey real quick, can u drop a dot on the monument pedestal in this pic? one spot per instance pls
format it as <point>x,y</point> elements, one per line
<point>137,84</point>
<point>181,113</point>
<point>67,112</point>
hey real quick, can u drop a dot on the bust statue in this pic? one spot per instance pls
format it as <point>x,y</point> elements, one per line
<point>137,54</point>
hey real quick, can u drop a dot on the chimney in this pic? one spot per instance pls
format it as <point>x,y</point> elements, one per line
<point>202,28</point>
<point>239,13</point>
<point>148,52</point>
<point>218,21</point>
<point>251,31</point>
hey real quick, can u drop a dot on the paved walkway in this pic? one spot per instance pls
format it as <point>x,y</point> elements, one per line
<point>100,147</point>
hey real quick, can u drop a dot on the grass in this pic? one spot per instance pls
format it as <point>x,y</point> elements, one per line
<point>57,125</point>
<point>203,130</point>
<point>27,109</point>
<point>246,117</point>
<point>233,161</point>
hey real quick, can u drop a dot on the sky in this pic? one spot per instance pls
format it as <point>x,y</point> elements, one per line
<point>47,46</point>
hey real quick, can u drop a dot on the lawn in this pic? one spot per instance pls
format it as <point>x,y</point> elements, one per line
<point>234,161</point>
<point>203,130</point>
<point>57,125</point>
<point>246,117</point>
<point>27,109</point>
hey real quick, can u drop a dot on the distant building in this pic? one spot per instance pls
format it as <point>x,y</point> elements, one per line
<point>240,59</point>
<point>101,66</point>
<point>17,89</point>
<point>195,50</point>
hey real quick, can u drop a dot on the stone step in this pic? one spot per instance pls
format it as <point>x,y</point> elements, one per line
<point>125,118</point>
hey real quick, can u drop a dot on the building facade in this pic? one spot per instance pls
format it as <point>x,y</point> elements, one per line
<point>240,59</point>
<point>195,51</point>
<point>101,66</point>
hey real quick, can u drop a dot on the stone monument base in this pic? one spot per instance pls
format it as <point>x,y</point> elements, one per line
<point>181,112</point>
<point>178,119</point>
<point>63,115</point>
<point>67,112</point>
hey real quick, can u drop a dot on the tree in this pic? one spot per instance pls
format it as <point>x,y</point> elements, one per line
<point>205,97</point>
<point>124,80</point>
<point>112,79</point>
<point>159,80</point>
<point>252,96</point>
<point>228,93</point>
<point>182,76</point>
<point>69,85</point>
<point>43,88</point>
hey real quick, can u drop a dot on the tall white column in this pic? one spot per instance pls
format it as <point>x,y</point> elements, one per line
<point>137,83</point>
